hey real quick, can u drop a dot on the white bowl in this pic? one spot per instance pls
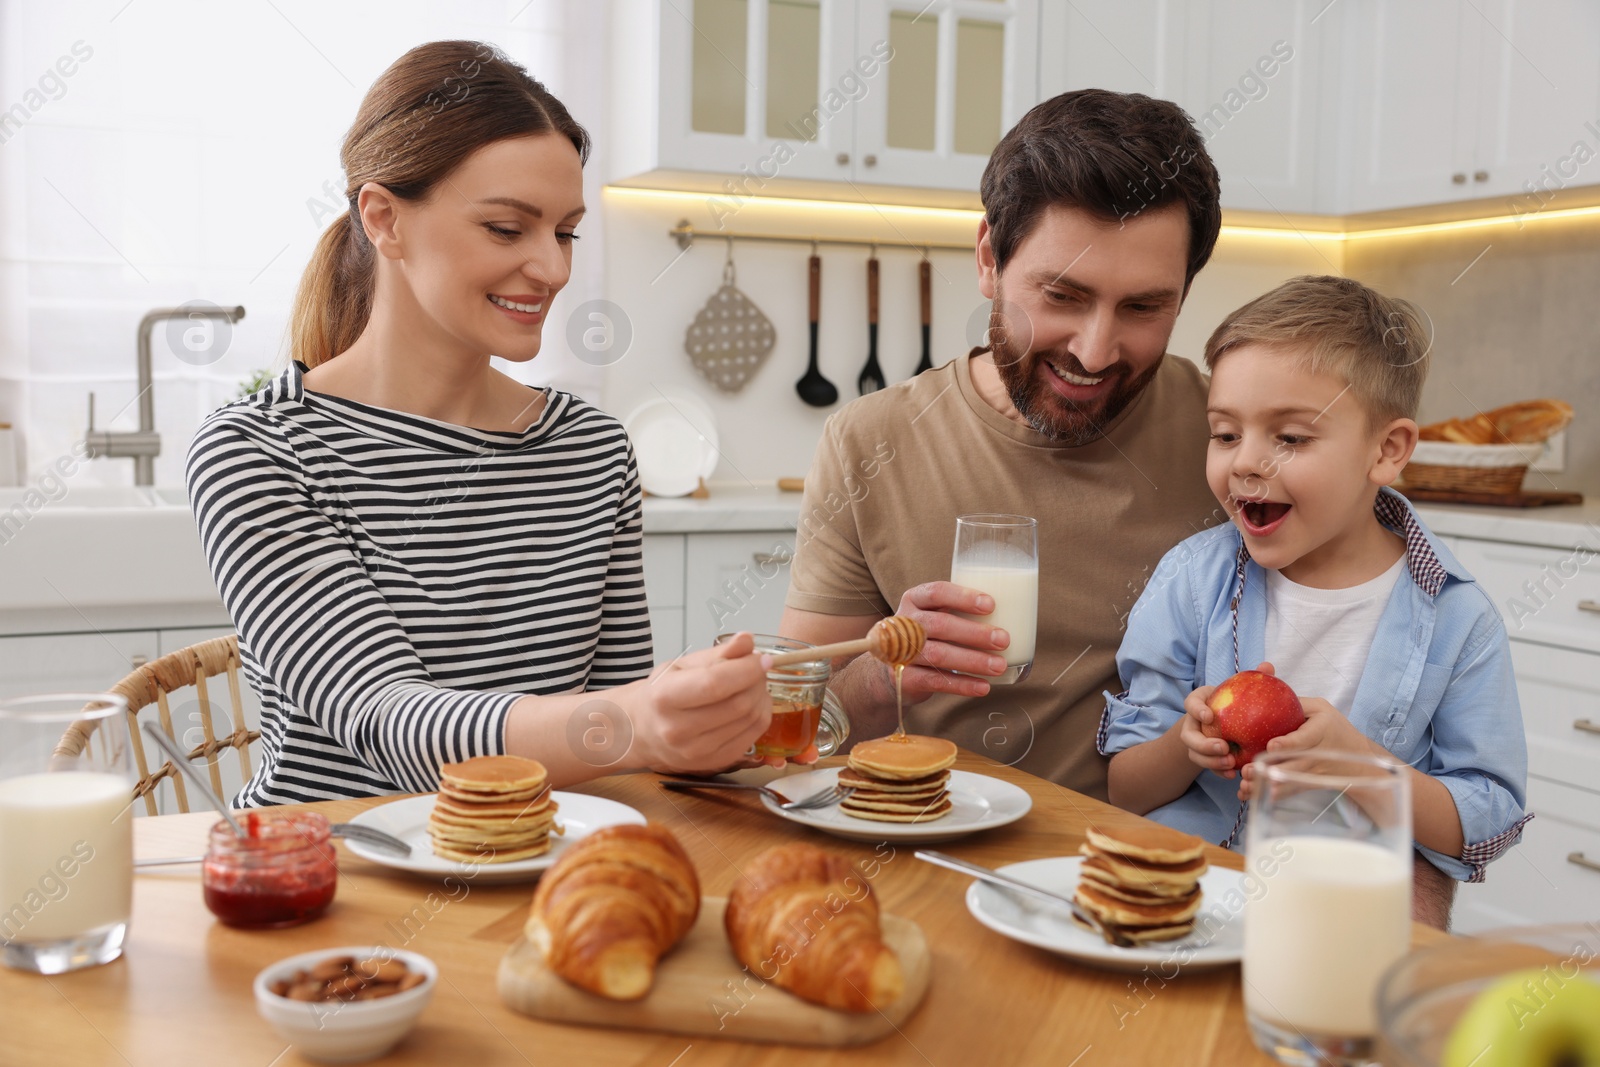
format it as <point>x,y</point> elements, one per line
<point>337,1031</point>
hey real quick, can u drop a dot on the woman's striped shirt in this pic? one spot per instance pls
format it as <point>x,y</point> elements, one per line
<point>398,582</point>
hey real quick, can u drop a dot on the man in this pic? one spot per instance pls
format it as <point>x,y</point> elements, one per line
<point>1099,209</point>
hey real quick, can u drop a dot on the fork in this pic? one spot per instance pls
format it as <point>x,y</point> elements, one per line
<point>821,799</point>
<point>369,836</point>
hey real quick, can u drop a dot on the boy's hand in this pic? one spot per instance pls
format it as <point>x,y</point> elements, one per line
<point>1210,753</point>
<point>1325,730</point>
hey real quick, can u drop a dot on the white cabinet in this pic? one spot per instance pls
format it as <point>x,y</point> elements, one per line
<point>735,581</point>
<point>663,589</point>
<point>73,662</point>
<point>1127,46</point>
<point>1446,101</point>
<point>745,95</point>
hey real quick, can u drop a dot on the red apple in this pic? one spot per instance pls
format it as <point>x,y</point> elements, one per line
<point>1250,709</point>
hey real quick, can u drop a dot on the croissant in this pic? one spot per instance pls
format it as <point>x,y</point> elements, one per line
<point>610,908</point>
<point>807,920</point>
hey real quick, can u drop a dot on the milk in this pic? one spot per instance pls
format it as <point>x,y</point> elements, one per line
<point>1016,602</point>
<point>1331,918</point>
<point>66,854</point>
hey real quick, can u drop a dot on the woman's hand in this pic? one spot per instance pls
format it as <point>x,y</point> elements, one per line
<point>700,713</point>
<point>954,643</point>
<point>1208,753</point>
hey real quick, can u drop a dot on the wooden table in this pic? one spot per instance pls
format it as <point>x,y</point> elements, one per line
<point>181,994</point>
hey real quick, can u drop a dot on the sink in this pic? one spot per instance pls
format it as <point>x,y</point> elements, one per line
<point>100,545</point>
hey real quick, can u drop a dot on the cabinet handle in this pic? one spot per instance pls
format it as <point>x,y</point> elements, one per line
<point>1578,859</point>
<point>870,160</point>
<point>765,558</point>
<point>1480,175</point>
<point>1588,726</point>
<point>1459,178</point>
<point>843,159</point>
<point>1589,605</point>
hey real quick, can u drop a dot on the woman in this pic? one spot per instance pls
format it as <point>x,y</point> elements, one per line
<point>425,559</point>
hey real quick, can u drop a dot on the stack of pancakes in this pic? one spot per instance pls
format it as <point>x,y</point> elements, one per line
<point>900,778</point>
<point>1142,881</point>
<point>492,809</point>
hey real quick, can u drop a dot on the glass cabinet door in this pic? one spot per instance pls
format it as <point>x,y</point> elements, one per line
<point>960,74</point>
<point>758,90</point>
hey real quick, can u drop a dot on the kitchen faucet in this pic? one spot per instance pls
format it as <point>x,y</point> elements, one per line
<point>144,444</point>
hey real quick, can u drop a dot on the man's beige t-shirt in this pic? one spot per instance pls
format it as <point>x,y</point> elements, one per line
<point>895,468</point>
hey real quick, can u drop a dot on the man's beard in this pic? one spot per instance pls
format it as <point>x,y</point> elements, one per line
<point>1047,411</point>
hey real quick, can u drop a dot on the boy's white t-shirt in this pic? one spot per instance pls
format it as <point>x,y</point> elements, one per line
<point>1318,639</point>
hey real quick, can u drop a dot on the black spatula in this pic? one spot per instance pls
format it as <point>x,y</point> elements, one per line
<point>925,285</point>
<point>871,379</point>
<point>813,388</point>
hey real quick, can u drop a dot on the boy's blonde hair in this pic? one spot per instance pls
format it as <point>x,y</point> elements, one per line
<point>1338,326</point>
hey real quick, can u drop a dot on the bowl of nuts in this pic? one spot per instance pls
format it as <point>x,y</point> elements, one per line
<point>346,1005</point>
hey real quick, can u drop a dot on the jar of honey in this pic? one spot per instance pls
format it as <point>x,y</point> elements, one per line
<point>281,873</point>
<point>797,691</point>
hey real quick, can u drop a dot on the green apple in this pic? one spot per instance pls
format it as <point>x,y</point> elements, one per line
<point>1532,1018</point>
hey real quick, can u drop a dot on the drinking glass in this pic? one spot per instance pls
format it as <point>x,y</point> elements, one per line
<point>1330,837</point>
<point>66,831</point>
<point>999,555</point>
<point>801,714</point>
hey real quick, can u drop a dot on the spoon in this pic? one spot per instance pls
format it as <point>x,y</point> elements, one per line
<point>164,743</point>
<point>871,379</point>
<point>895,640</point>
<point>813,388</point>
<point>1005,881</point>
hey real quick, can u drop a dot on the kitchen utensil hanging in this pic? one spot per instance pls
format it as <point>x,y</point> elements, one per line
<point>925,290</point>
<point>730,337</point>
<point>813,388</point>
<point>871,378</point>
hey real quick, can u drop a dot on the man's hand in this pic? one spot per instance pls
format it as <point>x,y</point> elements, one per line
<point>954,643</point>
<point>1326,732</point>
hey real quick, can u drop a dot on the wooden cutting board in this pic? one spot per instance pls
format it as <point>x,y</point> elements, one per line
<point>1533,498</point>
<point>700,988</point>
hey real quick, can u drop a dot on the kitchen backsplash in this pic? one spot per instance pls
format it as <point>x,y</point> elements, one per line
<point>1513,312</point>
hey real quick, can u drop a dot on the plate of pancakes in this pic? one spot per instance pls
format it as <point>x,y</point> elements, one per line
<point>903,788</point>
<point>1147,882</point>
<point>495,819</point>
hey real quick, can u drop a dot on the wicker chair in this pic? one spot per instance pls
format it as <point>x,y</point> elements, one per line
<point>151,683</point>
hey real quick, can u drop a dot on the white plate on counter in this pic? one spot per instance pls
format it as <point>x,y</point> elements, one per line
<point>579,813</point>
<point>1025,918</point>
<point>978,803</point>
<point>675,442</point>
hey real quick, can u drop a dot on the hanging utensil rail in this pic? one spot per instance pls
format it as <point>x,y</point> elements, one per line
<point>685,233</point>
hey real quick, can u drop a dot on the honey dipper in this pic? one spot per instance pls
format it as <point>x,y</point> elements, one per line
<point>895,640</point>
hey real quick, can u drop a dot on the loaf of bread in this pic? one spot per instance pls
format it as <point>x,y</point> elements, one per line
<point>612,906</point>
<point>1522,423</point>
<point>807,920</point>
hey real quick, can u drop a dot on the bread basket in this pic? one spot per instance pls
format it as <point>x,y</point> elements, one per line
<point>1451,467</point>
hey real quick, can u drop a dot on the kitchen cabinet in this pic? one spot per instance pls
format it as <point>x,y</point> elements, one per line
<point>1547,595</point>
<point>72,662</point>
<point>748,93</point>
<point>735,581</point>
<point>1445,101</point>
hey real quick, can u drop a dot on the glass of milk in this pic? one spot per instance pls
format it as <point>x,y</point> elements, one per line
<point>999,555</point>
<point>66,831</point>
<point>1328,904</point>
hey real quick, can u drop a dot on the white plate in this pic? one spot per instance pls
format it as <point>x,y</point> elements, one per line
<point>675,441</point>
<point>978,802</point>
<point>407,819</point>
<point>1043,925</point>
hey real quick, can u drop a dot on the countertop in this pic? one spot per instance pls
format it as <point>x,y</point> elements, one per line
<point>732,506</point>
<point>1568,526</point>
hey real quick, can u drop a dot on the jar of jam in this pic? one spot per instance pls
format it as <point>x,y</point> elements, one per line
<point>280,874</point>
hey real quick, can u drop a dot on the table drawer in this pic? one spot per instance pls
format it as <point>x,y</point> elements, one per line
<point>1559,690</point>
<point>1544,594</point>
<point>1548,877</point>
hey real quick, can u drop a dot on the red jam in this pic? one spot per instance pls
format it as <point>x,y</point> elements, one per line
<point>282,874</point>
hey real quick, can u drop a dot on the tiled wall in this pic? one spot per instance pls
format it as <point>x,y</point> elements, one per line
<point>184,159</point>
<point>1514,315</point>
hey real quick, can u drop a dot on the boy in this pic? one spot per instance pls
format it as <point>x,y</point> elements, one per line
<point>1328,576</point>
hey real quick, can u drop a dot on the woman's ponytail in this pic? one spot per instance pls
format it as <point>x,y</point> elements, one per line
<point>334,300</point>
